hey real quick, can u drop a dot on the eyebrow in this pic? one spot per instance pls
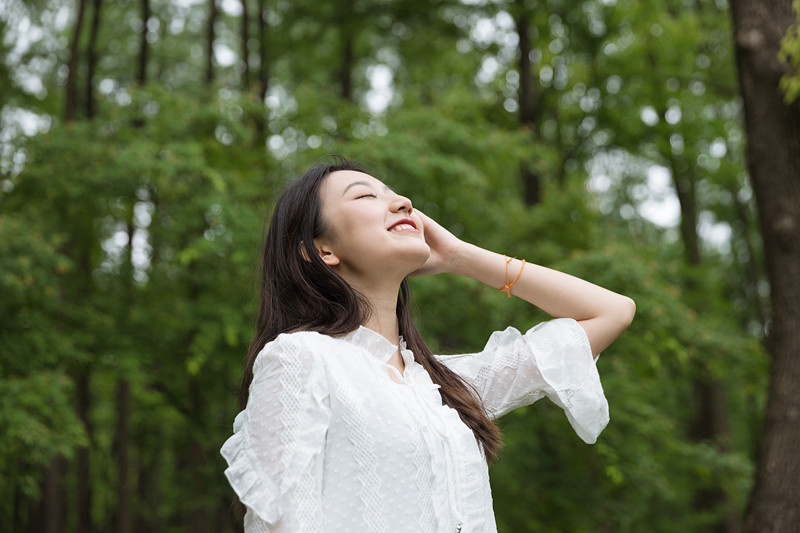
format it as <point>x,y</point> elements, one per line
<point>361,182</point>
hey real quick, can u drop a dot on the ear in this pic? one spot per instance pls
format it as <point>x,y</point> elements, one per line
<point>323,250</point>
<point>326,253</point>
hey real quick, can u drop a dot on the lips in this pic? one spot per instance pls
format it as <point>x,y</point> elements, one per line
<point>404,224</point>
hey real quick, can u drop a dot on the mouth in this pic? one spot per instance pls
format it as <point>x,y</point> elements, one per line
<point>404,224</point>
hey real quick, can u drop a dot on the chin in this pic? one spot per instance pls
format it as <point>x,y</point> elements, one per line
<point>421,257</point>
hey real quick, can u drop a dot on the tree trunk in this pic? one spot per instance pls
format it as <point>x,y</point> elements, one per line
<point>71,96</point>
<point>245,48</point>
<point>263,75</point>
<point>83,474</point>
<point>752,270</point>
<point>52,510</point>
<point>124,516</point>
<point>122,442</point>
<point>263,64</point>
<point>347,31</point>
<point>210,36</point>
<point>709,422</point>
<point>527,87</point>
<point>141,71</point>
<point>91,57</point>
<point>531,181</point>
<point>346,68</point>
<point>687,198</point>
<point>773,161</point>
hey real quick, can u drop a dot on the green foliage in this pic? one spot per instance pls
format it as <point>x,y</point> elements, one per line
<point>790,53</point>
<point>128,243</point>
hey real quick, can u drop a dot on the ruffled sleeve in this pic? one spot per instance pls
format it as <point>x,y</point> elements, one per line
<point>552,359</point>
<point>275,456</point>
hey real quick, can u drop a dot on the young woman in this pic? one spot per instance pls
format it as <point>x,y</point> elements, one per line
<point>349,422</point>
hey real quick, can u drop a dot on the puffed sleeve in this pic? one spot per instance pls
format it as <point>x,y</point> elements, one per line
<point>275,456</point>
<point>552,359</point>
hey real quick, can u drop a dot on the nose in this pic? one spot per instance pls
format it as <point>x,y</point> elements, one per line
<point>401,203</point>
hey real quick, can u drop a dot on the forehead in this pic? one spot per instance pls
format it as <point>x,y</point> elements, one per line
<point>340,181</point>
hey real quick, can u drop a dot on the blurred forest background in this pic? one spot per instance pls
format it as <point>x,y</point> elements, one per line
<point>141,142</point>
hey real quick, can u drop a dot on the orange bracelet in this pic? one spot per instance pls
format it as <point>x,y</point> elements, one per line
<point>508,285</point>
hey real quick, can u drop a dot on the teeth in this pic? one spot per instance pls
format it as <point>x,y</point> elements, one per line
<point>401,227</point>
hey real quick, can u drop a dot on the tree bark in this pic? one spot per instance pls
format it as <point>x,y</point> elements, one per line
<point>213,11</point>
<point>91,58</point>
<point>773,161</point>
<point>71,96</point>
<point>141,71</point>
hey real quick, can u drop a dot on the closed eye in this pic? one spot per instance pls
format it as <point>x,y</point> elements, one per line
<point>366,196</point>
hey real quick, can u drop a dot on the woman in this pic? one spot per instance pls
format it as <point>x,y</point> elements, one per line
<point>349,423</point>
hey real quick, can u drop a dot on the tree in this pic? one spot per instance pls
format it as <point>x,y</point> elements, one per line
<point>127,241</point>
<point>773,160</point>
<point>71,85</point>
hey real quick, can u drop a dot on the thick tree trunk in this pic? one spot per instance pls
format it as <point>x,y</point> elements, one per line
<point>773,160</point>
<point>210,37</point>
<point>141,71</point>
<point>91,58</point>
<point>71,86</point>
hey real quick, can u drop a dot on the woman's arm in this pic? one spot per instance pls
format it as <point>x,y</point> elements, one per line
<point>602,314</point>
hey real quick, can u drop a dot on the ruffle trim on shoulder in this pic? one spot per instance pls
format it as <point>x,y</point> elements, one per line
<point>564,358</point>
<point>254,491</point>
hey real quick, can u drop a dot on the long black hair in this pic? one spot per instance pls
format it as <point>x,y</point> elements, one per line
<point>300,292</point>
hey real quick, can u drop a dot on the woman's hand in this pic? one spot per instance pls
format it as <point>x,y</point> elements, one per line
<point>444,247</point>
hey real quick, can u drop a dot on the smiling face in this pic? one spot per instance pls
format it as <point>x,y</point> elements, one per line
<point>371,230</point>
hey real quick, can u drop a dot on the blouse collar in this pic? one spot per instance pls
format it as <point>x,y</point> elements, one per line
<point>378,345</point>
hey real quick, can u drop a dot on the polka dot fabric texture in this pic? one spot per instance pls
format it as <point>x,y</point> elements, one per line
<point>329,442</point>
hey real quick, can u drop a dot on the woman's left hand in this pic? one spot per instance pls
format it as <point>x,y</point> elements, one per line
<point>444,247</point>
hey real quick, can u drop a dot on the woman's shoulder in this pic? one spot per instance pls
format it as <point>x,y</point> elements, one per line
<point>297,344</point>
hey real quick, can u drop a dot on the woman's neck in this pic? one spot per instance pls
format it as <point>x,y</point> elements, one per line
<point>382,298</point>
<point>383,317</point>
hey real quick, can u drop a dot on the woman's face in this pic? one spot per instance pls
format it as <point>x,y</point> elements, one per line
<point>370,228</point>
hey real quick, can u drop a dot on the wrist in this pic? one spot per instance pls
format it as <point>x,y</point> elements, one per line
<point>461,258</point>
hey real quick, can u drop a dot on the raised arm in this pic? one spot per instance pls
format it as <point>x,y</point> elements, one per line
<point>601,313</point>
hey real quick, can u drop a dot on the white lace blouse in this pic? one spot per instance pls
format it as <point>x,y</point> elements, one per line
<point>329,442</point>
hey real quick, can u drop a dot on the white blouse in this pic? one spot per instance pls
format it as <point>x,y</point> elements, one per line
<point>329,442</point>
